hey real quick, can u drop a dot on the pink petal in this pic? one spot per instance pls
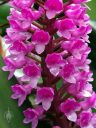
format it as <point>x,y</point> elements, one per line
<point>21,100</point>
<point>54,71</point>
<point>25,78</point>
<point>40,48</point>
<point>26,121</point>
<point>10,75</point>
<point>34,123</point>
<point>50,14</point>
<point>46,104</point>
<point>33,82</point>
<point>71,79</point>
<point>5,68</point>
<point>66,34</point>
<point>38,100</point>
<point>14,96</point>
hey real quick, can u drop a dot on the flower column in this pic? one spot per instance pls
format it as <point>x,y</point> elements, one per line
<point>48,40</point>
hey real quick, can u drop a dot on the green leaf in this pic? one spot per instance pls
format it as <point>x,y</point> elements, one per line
<point>4,12</point>
<point>93,110</point>
<point>92,6</point>
<point>59,84</point>
<point>32,99</point>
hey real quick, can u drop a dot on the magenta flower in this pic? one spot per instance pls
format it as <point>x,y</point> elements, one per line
<point>30,15</point>
<point>87,75</point>
<point>68,73</point>
<point>20,93</point>
<point>40,39</point>
<point>32,115</point>
<point>19,25</point>
<point>15,35</point>
<point>18,46</point>
<point>93,120</point>
<point>75,11</point>
<point>53,7</point>
<point>83,32</point>
<point>81,89</point>
<point>69,108</point>
<point>54,63</point>
<point>85,119</point>
<point>10,66</point>
<point>45,96</point>
<point>77,48</point>
<point>90,102</point>
<point>18,21</point>
<point>32,74</point>
<point>65,27</point>
<point>80,63</point>
<point>22,3</point>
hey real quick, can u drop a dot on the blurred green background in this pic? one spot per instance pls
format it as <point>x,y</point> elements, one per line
<point>10,115</point>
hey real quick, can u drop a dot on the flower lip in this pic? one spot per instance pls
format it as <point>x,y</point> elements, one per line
<point>18,89</point>
<point>31,70</point>
<point>45,96</point>
<point>54,59</point>
<point>9,63</point>
<point>30,113</point>
<point>53,5</point>
<point>22,3</point>
<point>45,92</point>
<point>69,106</point>
<point>41,37</point>
<point>65,24</point>
<point>67,70</point>
<point>19,46</point>
<point>85,118</point>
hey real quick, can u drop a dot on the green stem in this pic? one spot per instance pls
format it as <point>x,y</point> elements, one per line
<point>3,25</point>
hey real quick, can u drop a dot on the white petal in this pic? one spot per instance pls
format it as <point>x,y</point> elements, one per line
<point>86,93</point>
<point>72,117</point>
<point>18,73</point>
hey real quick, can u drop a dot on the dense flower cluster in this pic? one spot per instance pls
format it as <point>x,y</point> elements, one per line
<point>48,43</point>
